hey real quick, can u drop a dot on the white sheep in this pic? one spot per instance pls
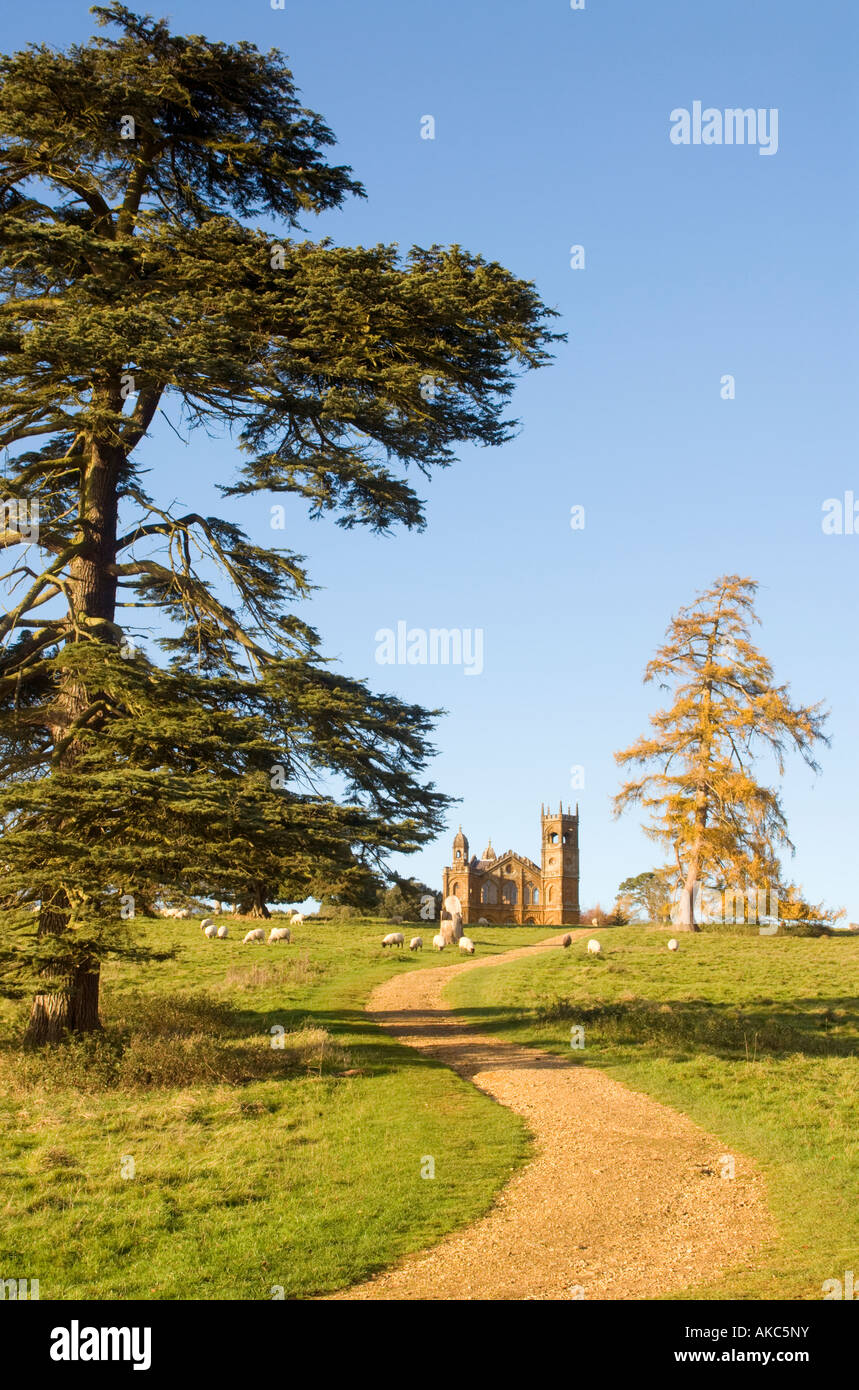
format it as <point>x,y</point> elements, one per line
<point>594,947</point>
<point>223,933</point>
<point>672,945</point>
<point>210,931</point>
<point>256,935</point>
<point>279,934</point>
<point>567,941</point>
<point>394,938</point>
<point>207,922</point>
<point>466,944</point>
<point>439,942</point>
<point>416,943</point>
<point>296,919</point>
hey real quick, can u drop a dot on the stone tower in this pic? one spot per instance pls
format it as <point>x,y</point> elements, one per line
<point>560,864</point>
<point>457,878</point>
<point>460,850</point>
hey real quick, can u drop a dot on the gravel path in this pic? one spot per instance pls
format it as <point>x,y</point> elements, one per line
<point>623,1199</point>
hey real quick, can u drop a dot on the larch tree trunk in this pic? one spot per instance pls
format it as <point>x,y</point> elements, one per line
<point>687,917</point>
<point>688,922</point>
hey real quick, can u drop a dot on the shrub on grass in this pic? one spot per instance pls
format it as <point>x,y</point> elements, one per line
<point>173,1040</point>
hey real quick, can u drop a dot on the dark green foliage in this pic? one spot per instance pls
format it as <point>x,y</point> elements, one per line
<point>648,894</point>
<point>408,900</point>
<point>129,281</point>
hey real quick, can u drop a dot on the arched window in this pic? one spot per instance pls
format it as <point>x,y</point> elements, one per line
<point>550,894</point>
<point>536,897</point>
<point>552,837</point>
<point>455,890</point>
<point>511,894</point>
<point>489,893</point>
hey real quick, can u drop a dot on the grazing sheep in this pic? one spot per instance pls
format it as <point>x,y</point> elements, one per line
<point>223,933</point>
<point>483,921</point>
<point>439,942</point>
<point>279,934</point>
<point>416,943</point>
<point>210,931</point>
<point>594,947</point>
<point>296,919</point>
<point>672,945</point>
<point>567,941</point>
<point>394,938</point>
<point>256,935</point>
<point>466,944</point>
<point>207,922</point>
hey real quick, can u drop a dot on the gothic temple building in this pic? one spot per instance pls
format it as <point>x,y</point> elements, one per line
<point>509,887</point>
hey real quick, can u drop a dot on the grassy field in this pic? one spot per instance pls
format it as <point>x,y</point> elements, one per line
<point>182,1156</point>
<point>753,1037</point>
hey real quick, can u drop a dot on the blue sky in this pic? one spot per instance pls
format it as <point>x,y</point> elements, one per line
<point>552,129</point>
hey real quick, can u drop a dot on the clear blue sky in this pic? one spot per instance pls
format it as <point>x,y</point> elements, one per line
<point>552,128</point>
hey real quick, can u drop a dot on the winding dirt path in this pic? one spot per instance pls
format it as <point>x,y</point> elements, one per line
<point>623,1199</point>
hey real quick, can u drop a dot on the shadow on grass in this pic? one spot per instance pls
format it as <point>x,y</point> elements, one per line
<point>384,1047</point>
<point>814,1027</point>
<point>161,1041</point>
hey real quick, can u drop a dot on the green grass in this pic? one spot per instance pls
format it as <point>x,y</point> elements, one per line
<point>755,1038</point>
<point>255,1168</point>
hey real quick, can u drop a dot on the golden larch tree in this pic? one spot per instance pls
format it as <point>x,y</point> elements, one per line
<point>721,826</point>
